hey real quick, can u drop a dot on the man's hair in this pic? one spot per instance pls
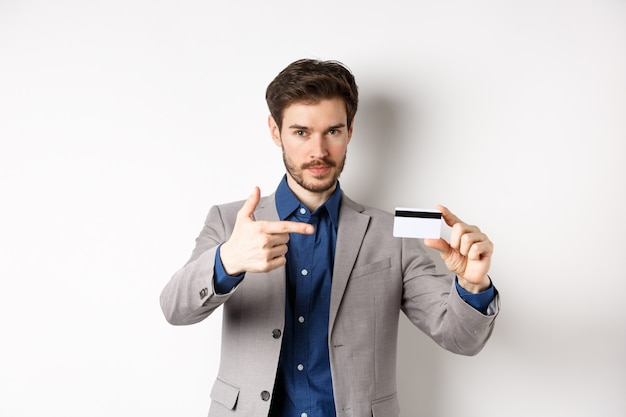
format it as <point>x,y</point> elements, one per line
<point>309,81</point>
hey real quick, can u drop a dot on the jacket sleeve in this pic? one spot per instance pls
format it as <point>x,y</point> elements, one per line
<point>190,296</point>
<point>431,301</point>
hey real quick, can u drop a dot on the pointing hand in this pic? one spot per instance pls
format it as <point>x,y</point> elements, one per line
<point>258,246</point>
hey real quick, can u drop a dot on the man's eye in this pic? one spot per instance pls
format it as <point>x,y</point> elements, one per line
<point>333,131</point>
<point>300,133</point>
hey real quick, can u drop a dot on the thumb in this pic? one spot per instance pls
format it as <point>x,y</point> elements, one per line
<point>247,211</point>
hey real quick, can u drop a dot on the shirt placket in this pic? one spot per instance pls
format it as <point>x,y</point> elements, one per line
<point>302,311</point>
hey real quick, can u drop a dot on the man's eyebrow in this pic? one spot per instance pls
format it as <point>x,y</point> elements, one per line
<point>300,127</point>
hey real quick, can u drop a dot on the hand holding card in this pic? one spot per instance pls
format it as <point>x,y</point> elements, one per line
<point>468,254</point>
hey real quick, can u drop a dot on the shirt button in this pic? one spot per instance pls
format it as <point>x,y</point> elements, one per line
<point>301,319</point>
<point>276,333</point>
<point>265,395</point>
<point>302,210</point>
<point>304,272</point>
<point>304,415</point>
<point>300,367</point>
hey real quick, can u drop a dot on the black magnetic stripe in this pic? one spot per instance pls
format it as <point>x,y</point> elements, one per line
<point>420,214</point>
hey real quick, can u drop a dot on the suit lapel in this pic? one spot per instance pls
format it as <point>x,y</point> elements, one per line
<point>352,227</point>
<point>266,210</point>
<point>276,278</point>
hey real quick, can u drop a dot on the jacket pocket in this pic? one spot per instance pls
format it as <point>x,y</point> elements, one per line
<point>362,270</point>
<point>225,394</point>
<point>386,407</point>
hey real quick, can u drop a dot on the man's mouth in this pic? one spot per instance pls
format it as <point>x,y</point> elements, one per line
<point>318,170</point>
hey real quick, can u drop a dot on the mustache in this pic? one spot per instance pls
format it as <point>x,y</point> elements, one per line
<point>318,163</point>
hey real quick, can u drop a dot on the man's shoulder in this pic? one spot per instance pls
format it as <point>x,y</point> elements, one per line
<point>232,207</point>
<point>366,209</point>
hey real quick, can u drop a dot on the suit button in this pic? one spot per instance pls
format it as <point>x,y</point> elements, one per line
<point>276,333</point>
<point>265,395</point>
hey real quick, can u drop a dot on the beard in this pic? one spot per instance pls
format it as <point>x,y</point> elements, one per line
<point>321,183</point>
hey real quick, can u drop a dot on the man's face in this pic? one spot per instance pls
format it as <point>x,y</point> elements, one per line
<point>314,139</point>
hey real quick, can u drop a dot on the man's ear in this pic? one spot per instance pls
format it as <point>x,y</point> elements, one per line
<point>350,130</point>
<point>274,130</point>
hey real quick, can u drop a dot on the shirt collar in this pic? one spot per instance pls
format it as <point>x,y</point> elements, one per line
<point>287,202</point>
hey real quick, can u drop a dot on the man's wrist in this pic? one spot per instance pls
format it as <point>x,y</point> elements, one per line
<point>472,287</point>
<point>481,301</point>
<point>224,282</point>
<point>228,268</point>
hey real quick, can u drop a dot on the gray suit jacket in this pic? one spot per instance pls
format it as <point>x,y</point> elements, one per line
<point>375,276</point>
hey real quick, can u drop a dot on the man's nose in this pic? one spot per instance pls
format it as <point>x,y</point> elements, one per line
<point>319,148</point>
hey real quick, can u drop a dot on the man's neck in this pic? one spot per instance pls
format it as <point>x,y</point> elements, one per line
<point>312,200</point>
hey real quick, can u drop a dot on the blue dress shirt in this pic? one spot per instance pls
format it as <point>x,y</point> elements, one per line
<point>303,382</point>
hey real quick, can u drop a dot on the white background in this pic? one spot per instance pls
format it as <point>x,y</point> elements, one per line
<point>122,122</point>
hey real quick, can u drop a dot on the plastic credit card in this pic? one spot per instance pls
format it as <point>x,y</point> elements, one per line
<point>417,223</point>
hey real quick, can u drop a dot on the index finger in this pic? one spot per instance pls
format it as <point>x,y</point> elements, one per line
<point>285,226</point>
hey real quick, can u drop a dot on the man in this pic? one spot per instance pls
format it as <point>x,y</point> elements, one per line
<point>312,282</point>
